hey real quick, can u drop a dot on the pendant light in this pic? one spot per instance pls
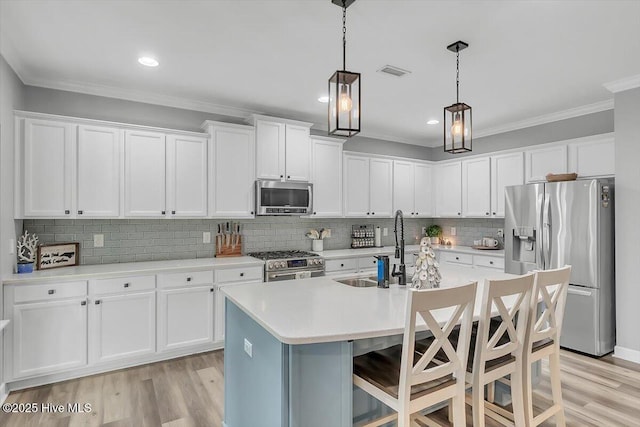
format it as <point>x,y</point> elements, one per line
<point>457,123</point>
<point>344,90</point>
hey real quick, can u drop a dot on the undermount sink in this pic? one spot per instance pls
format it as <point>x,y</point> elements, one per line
<point>359,282</point>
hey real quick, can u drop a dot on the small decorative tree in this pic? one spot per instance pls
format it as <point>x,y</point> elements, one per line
<point>27,245</point>
<point>434,231</point>
<point>427,273</point>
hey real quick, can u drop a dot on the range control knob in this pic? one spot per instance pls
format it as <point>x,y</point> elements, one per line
<point>270,265</point>
<point>283,264</point>
<point>321,261</point>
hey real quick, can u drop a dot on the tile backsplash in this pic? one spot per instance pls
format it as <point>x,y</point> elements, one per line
<point>129,240</point>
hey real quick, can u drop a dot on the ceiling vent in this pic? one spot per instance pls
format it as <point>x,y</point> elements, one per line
<point>394,71</point>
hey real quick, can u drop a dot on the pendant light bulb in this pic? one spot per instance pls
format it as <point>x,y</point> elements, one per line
<point>456,128</point>
<point>346,104</point>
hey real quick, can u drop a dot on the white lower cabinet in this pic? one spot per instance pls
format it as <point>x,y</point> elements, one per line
<point>49,336</point>
<point>122,326</point>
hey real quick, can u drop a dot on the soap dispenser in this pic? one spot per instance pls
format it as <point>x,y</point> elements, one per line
<point>383,271</point>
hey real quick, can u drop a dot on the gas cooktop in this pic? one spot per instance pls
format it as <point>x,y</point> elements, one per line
<point>267,255</point>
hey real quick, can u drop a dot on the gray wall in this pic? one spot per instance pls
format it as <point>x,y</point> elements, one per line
<point>364,144</point>
<point>11,97</point>
<point>576,127</point>
<point>627,123</point>
<point>128,240</point>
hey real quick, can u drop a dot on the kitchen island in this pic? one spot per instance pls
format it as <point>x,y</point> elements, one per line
<point>290,345</point>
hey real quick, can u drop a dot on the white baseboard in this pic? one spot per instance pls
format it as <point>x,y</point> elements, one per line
<point>626,354</point>
<point>3,393</point>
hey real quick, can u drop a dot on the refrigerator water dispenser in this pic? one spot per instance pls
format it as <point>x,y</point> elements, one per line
<point>524,244</point>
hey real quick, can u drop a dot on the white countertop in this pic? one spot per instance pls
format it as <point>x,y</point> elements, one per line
<point>322,310</point>
<point>409,249</point>
<point>84,272</point>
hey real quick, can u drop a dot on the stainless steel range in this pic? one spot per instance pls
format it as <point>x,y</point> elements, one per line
<point>285,265</point>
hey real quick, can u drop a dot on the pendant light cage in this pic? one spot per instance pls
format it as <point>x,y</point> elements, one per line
<point>457,117</point>
<point>344,90</point>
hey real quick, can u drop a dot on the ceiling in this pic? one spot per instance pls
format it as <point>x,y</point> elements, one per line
<point>528,61</point>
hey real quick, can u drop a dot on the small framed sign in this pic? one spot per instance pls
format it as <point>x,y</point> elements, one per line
<point>58,255</point>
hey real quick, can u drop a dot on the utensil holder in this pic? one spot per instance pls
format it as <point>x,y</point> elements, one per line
<point>317,245</point>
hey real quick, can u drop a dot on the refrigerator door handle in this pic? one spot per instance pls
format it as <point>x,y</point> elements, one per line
<point>539,237</point>
<point>546,225</point>
<point>579,292</point>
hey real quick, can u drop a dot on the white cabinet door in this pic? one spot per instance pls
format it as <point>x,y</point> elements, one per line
<point>270,150</point>
<point>356,186</point>
<point>327,178</point>
<point>539,162</point>
<point>380,187</point>
<point>592,158</point>
<point>122,326</point>
<point>403,187</point>
<point>297,153</point>
<point>448,190</point>
<point>145,173</point>
<point>187,175</point>
<point>49,169</point>
<point>506,170</point>
<point>185,317</point>
<point>100,164</point>
<point>423,191</point>
<point>49,336</point>
<point>232,186</point>
<point>476,187</point>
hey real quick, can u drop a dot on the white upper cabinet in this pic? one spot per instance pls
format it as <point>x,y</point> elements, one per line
<point>403,187</point>
<point>298,153</point>
<point>100,166</point>
<point>327,177</point>
<point>187,175</point>
<point>592,158</point>
<point>423,190</point>
<point>541,161</point>
<point>381,187</point>
<point>506,170</point>
<point>476,187</point>
<point>283,149</point>
<point>145,173</point>
<point>412,188</point>
<point>49,181</point>
<point>448,190</point>
<point>356,186</point>
<point>232,177</point>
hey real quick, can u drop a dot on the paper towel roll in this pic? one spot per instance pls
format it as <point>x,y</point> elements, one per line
<point>378,238</point>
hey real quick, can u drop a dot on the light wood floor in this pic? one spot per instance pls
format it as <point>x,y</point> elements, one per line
<point>189,392</point>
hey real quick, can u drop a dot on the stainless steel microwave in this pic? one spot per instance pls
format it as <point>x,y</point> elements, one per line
<point>283,197</point>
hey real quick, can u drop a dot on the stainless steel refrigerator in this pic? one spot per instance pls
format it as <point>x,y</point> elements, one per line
<point>549,225</point>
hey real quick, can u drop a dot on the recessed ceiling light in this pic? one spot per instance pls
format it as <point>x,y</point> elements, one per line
<point>433,122</point>
<point>323,99</point>
<point>148,61</point>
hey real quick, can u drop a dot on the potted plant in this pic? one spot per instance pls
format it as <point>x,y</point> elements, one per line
<point>434,232</point>
<point>27,245</point>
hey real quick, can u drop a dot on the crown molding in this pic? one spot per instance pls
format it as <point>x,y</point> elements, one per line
<point>621,85</point>
<point>141,96</point>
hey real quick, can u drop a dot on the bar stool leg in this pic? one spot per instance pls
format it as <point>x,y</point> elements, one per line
<point>527,390</point>
<point>491,392</point>
<point>517,395</point>
<point>556,386</point>
<point>477,403</point>
<point>457,405</point>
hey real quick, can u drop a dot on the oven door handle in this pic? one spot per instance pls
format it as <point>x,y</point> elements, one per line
<point>293,273</point>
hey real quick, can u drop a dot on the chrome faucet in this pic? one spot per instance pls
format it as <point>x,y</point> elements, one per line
<point>401,274</point>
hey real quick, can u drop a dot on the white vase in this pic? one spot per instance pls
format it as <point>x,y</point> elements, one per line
<point>317,245</point>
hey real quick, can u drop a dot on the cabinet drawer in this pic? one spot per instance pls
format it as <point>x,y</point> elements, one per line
<point>170,280</point>
<point>488,261</point>
<point>122,284</point>
<point>367,263</point>
<point>27,293</point>
<point>244,274</point>
<point>334,265</point>
<point>456,258</point>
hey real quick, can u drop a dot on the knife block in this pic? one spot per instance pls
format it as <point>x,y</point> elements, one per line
<point>223,250</point>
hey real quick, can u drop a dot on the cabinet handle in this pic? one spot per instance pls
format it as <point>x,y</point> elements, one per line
<point>417,213</point>
<point>67,211</point>
<point>281,176</point>
<point>173,212</point>
<point>251,212</point>
<point>188,279</point>
<point>458,213</point>
<point>315,213</point>
<point>373,213</point>
<point>164,212</point>
<point>368,213</point>
<point>486,213</point>
<point>341,265</point>
<point>212,289</point>
<point>494,213</point>
<point>126,285</point>
<point>83,303</point>
<point>288,176</point>
<point>51,291</point>
<point>491,262</point>
<point>97,302</point>
<point>458,258</point>
<point>241,274</point>
<point>79,212</point>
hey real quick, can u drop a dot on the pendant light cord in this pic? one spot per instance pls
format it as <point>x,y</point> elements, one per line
<point>344,36</point>
<point>457,74</point>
